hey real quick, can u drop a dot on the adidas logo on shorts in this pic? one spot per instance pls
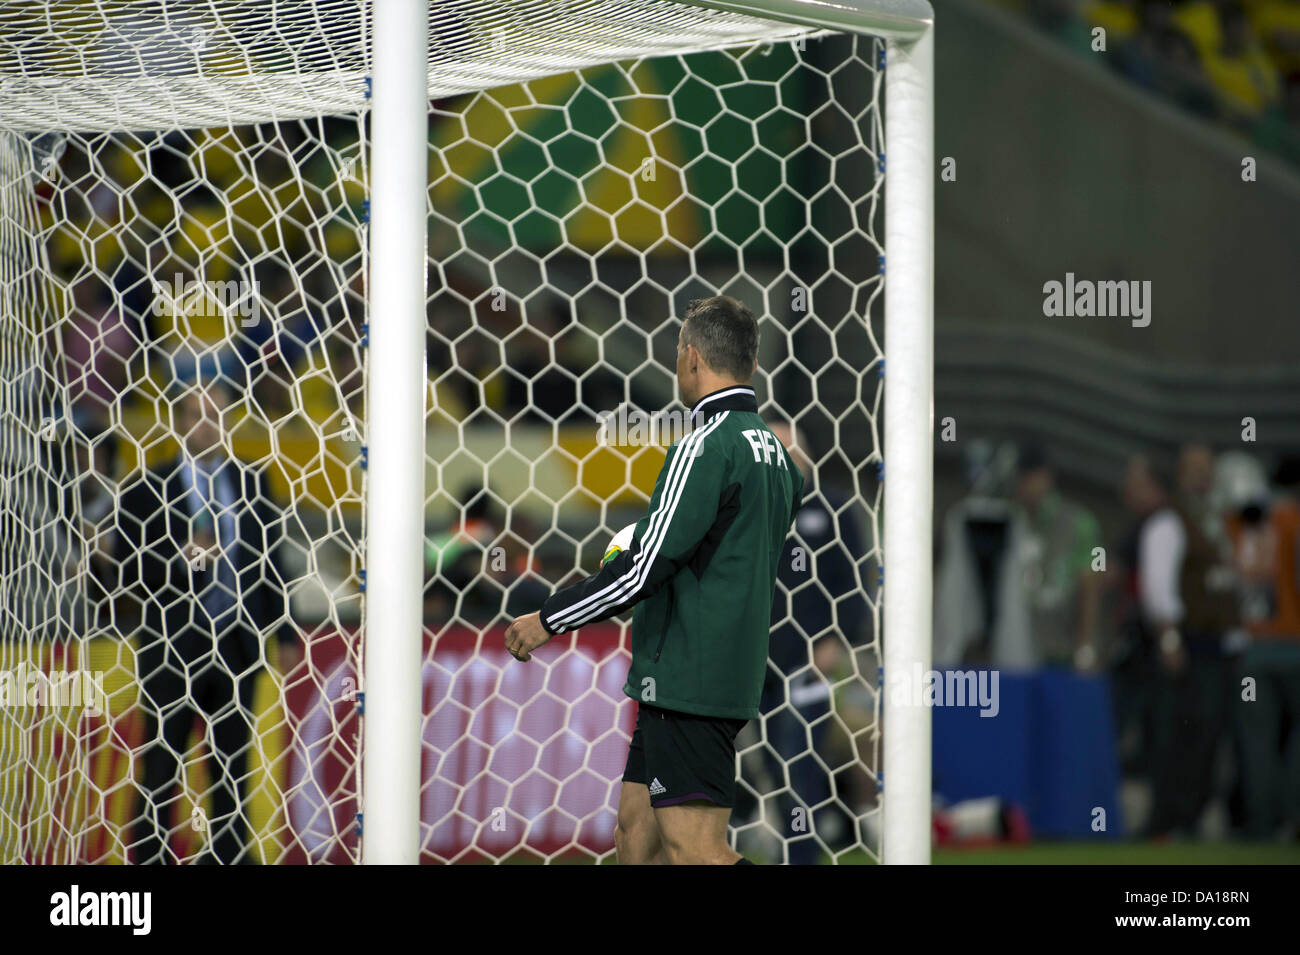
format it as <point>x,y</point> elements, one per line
<point>657,788</point>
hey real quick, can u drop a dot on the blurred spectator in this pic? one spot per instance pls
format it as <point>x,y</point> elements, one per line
<point>1189,607</point>
<point>1164,59</point>
<point>284,343</point>
<point>99,484</point>
<point>1205,515</point>
<point>981,615</point>
<point>1198,20</point>
<point>1119,18</point>
<point>1246,80</point>
<point>553,389</point>
<point>99,344</point>
<point>479,570</point>
<point>1134,670</point>
<point>1195,483</point>
<point>196,545</point>
<point>818,616</point>
<point>1277,24</point>
<point>544,389</point>
<point>1265,530</point>
<point>1063,590</point>
<point>549,390</point>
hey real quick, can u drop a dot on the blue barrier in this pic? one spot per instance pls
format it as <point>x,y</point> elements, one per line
<point>1049,749</point>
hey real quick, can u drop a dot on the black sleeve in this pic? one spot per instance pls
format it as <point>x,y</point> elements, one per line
<point>683,507</point>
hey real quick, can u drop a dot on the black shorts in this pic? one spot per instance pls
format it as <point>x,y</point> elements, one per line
<point>682,757</point>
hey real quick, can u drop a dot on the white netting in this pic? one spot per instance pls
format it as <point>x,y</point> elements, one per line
<point>156,262</point>
<point>570,218</point>
<point>154,64</point>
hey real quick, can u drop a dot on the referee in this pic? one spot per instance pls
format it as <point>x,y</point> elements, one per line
<point>701,572</point>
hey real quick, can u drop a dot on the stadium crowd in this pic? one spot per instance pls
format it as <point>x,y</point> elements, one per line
<point>1233,61</point>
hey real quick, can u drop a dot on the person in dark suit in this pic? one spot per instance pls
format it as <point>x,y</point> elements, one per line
<point>196,542</point>
<point>814,627</point>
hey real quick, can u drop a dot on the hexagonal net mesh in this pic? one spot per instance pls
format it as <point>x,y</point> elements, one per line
<point>573,219</point>
<point>182,436</point>
<point>183,358</point>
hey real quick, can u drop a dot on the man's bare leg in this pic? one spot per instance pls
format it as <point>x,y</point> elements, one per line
<point>695,833</point>
<point>637,837</point>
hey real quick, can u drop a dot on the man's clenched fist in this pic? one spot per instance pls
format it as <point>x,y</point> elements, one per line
<point>525,635</point>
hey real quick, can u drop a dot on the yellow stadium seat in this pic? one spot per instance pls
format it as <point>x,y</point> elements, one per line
<point>1117,17</point>
<point>1200,21</point>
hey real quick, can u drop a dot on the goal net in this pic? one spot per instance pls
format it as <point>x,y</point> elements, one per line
<point>184,333</point>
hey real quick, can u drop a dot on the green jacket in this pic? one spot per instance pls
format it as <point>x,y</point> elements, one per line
<point>702,566</point>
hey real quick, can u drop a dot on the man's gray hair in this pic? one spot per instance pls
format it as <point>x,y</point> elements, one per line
<point>725,333</point>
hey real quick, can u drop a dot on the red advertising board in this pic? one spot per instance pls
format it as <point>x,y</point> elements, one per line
<point>517,757</point>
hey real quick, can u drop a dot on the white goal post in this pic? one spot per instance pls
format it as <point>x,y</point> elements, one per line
<point>109,69</point>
